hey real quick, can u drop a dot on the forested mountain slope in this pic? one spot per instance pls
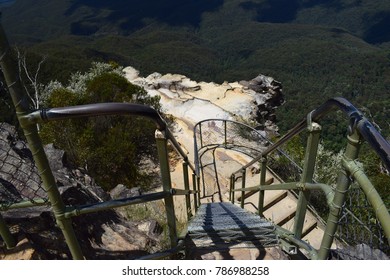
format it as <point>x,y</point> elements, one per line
<point>318,49</point>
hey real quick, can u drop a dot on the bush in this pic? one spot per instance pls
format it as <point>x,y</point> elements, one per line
<point>109,147</point>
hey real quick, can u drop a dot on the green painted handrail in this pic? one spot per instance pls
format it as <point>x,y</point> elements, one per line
<point>357,121</point>
<point>360,128</point>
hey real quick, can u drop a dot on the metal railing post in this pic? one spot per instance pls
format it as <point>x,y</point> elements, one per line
<point>6,234</point>
<point>21,102</point>
<point>198,186</point>
<point>381,212</point>
<point>307,175</point>
<point>343,182</point>
<point>51,188</point>
<point>200,135</point>
<point>230,187</point>
<point>233,187</point>
<point>187,188</point>
<point>225,128</point>
<point>162,149</point>
<point>263,173</point>
<point>243,186</point>
<point>196,204</point>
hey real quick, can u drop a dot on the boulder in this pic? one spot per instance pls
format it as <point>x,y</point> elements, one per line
<point>56,157</point>
<point>151,228</point>
<point>358,252</point>
<point>122,191</point>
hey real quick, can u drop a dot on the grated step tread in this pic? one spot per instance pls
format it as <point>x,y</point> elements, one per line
<point>226,224</point>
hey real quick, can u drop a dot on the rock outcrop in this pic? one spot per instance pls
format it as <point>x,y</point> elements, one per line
<point>251,101</point>
<point>268,98</point>
<point>103,235</point>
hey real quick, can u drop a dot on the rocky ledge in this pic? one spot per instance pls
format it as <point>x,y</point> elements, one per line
<point>253,101</point>
<point>111,234</point>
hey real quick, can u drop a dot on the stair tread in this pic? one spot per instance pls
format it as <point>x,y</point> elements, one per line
<point>220,224</point>
<point>309,223</point>
<point>282,211</point>
<point>225,215</point>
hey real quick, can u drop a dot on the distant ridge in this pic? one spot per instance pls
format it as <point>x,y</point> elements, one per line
<point>6,3</point>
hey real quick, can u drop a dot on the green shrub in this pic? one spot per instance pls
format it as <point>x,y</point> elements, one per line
<point>109,147</point>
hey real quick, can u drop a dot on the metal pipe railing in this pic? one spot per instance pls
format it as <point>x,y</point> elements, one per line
<point>373,197</point>
<point>326,189</point>
<point>101,206</point>
<point>307,175</point>
<point>98,109</point>
<point>29,121</point>
<point>357,121</point>
<point>105,109</point>
<point>24,204</point>
<point>359,128</point>
<point>22,105</point>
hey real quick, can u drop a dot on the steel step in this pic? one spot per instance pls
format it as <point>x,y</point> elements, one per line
<point>226,224</point>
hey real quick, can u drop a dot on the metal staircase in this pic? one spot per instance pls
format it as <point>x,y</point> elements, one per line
<point>253,184</point>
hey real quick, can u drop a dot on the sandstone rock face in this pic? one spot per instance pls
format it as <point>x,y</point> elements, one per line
<point>254,101</point>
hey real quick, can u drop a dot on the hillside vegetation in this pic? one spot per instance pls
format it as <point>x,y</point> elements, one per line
<point>109,147</point>
<point>318,49</point>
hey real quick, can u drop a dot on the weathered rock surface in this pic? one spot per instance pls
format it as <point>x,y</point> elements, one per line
<point>191,101</point>
<point>358,252</point>
<point>16,168</point>
<point>103,235</point>
<point>269,97</point>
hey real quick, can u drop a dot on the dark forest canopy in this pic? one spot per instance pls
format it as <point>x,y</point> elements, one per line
<point>318,49</point>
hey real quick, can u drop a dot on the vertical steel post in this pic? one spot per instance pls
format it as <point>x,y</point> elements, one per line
<point>233,187</point>
<point>198,185</point>
<point>225,128</point>
<point>230,187</point>
<point>381,212</point>
<point>187,188</point>
<point>263,173</point>
<point>307,176</point>
<point>343,182</point>
<point>200,135</point>
<point>203,184</point>
<point>162,149</point>
<point>195,191</point>
<point>6,234</point>
<point>21,102</point>
<point>243,186</point>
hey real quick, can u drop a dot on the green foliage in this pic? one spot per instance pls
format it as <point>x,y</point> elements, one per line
<point>296,149</point>
<point>319,53</point>
<point>109,147</point>
<point>328,165</point>
<point>7,110</point>
<point>375,171</point>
